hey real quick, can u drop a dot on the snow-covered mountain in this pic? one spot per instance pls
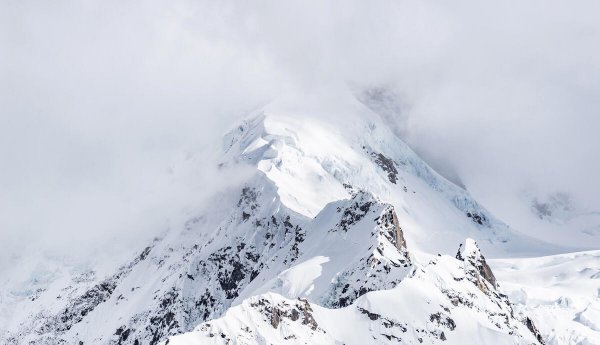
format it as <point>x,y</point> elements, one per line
<point>340,234</point>
<point>560,292</point>
<point>445,300</point>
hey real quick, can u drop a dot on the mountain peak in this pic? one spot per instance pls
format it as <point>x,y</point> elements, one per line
<point>322,225</point>
<point>314,158</point>
<point>471,255</point>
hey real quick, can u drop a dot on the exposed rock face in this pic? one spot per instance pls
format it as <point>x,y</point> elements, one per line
<point>298,310</point>
<point>389,221</point>
<point>470,253</point>
<point>531,326</point>
<point>387,165</point>
<point>480,219</point>
<point>194,280</point>
<point>476,268</point>
<point>355,212</point>
<point>385,260</point>
<point>433,305</point>
<point>186,278</point>
<point>84,304</point>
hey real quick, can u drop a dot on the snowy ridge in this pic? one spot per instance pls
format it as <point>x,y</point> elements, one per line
<point>177,283</point>
<point>351,247</point>
<point>438,302</point>
<point>181,280</point>
<point>339,221</point>
<point>315,162</point>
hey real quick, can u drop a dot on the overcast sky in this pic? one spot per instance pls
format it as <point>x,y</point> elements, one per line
<point>99,98</point>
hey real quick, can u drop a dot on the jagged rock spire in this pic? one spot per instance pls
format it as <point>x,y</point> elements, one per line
<point>470,253</point>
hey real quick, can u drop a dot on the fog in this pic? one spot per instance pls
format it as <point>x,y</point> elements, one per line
<point>99,100</point>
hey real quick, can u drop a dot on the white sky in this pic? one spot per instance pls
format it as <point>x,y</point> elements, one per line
<point>98,98</point>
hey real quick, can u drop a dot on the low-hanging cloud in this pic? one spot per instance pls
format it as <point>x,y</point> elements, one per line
<point>98,97</point>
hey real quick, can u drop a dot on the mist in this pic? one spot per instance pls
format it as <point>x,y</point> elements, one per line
<point>100,100</point>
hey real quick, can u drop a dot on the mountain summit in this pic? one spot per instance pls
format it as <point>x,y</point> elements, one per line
<point>340,234</point>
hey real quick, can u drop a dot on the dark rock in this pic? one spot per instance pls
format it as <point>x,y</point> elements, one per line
<point>480,219</point>
<point>443,320</point>
<point>387,165</point>
<point>355,212</point>
<point>531,326</point>
<point>389,222</point>
<point>477,260</point>
<point>371,316</point>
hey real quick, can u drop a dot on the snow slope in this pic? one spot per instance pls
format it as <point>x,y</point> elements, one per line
<point>314,158</point>
<point>559,218</point>
<point>337,213</point>
<point>561,293</point>
<point>445,300</point>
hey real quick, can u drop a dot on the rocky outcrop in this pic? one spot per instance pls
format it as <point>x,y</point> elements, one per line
<point>477,271</point>
<point>192,279</point>
<point>433,305</point>
<point>184,279</point>
<point>351,214</point>
<point>389,223</point>
<point>386,164</point>
<point>471,255</point>
<point>531,326</point>
<point>384,260</point>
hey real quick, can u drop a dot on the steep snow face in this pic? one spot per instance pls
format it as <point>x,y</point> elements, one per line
<point>351,247</point>
<point>470,253</point>
<point>189,275</point>
<point>314,159</point>
<point>230,250</point>
<point>561,293</point>
<point>439,302</point>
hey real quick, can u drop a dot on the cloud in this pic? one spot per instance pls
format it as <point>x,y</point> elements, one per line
<point>512,105</point>
<point>98,97</point>
<point>98,100</point>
